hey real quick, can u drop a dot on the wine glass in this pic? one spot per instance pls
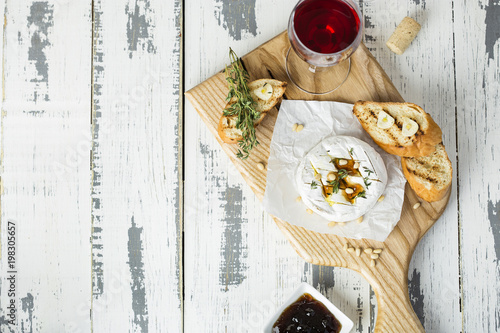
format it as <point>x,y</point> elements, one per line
<point>323,35</point>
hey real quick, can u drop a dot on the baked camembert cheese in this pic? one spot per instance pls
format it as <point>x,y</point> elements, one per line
<point>341,178</point>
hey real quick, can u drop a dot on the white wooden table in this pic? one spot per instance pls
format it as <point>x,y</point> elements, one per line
<point>127,215</point>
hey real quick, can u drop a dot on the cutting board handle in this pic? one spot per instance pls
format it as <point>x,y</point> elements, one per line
<point>395,312</point>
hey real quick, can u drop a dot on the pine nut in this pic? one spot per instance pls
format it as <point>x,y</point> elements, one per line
<point>374,256</point>
<point>331,176</point>
<point>294,127</point>
<point>346,246</point>
<point>299,128</point>
<point>356,165</point>
<point>342,162</point>
<point>369,250</point>
<point>351,249</point>
<point>360,219</point>
<point>332,224</point>
<point>372,263</point>
<point>260,166</point>
<point>415,206</point>
<point>309,211</point>
<point>382,197</point>
<point>349,190</point>
<point>298,199</point>
<point>317,176</point>
<point>377,251</point>
<point>341,224</point>
<point>358,251</point>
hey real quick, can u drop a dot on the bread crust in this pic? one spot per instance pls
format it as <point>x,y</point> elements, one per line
<point>428,194</point>
<point>423,144</point>
<point>227,129</point>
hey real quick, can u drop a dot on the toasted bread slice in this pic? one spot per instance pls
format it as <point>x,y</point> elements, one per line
<point>429,176</point>
<point>227,124</point>
<point>392,140</point>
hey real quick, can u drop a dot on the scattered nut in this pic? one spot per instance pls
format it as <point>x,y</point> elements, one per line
<point>377,251</point>
<point>369,250</point>
<point>372,263</point>
<point>298,199</point>
<point>350,249</point>
<point>349,190</point>
<point>415,206</point>
<point>382,197</point>
<point>309,211</point>
<point>317,176</point>
<point>346,246</point>
<point>356,165</point>
<point>332,224</point>
<point>299,128</point>
<point>360,219</point>
<point>374,256</point>
<point>358,251</point>
<point>294,127</point>
<point>260,166</point>
<point>342,162</point>
<point>341,224</point>
<point>331,176</point>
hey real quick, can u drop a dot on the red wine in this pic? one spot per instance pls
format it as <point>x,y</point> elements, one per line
<point>326,26</point>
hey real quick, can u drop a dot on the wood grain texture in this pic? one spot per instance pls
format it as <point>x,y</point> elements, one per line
<point>367,81</point>
<point>45,164</point>
<point>136,205</point>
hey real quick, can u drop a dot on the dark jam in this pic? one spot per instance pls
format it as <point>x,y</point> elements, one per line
<point>307,315</point>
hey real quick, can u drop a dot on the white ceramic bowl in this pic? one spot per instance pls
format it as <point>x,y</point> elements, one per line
<point>304,288</point>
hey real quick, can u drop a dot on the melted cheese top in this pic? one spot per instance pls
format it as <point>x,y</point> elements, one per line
<point>341,155</point>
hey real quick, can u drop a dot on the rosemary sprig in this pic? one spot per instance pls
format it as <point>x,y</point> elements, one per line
<point>243,107</point>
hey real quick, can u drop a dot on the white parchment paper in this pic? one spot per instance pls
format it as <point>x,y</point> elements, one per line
<point>288,148</point>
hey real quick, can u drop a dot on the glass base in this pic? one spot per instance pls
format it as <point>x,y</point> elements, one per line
<point>315,80</point>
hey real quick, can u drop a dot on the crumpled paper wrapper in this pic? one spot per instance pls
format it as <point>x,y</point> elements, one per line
<point>288,148</point>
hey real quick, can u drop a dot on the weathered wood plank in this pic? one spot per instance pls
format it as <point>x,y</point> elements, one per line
<point>136,237</point>
<point>45,164</point>
<point>477,50</point>
<point>425,75</point>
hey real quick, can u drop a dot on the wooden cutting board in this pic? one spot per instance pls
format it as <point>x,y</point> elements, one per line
<point>367,81</point>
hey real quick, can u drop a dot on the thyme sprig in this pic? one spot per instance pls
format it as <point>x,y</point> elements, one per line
<point>243,107</point>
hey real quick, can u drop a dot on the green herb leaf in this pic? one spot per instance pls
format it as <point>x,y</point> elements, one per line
<point>367,183</point>
<point>335,185</point>
<point>342,173</point>
<point>361,195</point>
<point>368,171</point>
<point>244,108</point>
<point>314,185</point>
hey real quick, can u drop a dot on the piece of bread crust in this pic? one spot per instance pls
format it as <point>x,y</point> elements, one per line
<point>227,124</point>
<point>429,176</point>
<point>392,140</point>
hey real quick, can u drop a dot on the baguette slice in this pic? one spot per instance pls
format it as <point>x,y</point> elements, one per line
<point>429,176</point>
<point>392,140</point>
<point>227,124</point>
